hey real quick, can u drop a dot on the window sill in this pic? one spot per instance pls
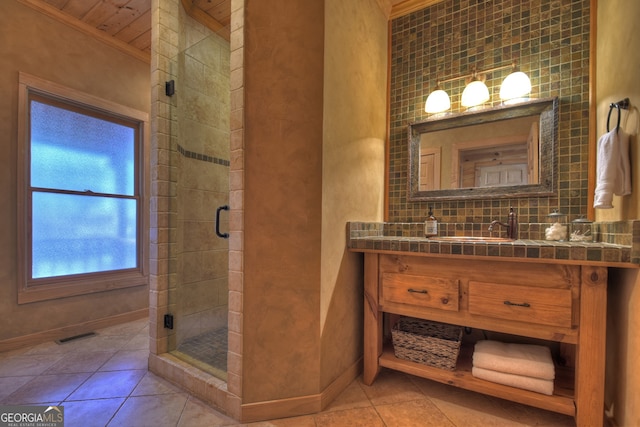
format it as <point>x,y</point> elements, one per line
<point>80,286</point>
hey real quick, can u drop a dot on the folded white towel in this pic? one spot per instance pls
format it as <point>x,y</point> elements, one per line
<point>613,171</point>
<point>519,381</point>
<point>519,359</point>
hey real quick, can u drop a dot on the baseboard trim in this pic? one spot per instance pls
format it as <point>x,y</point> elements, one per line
<point>334,389</point>
<point>71,330</point>
<point>302,405</point>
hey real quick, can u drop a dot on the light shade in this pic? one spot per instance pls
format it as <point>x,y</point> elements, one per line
<point>437,102</point>
<point>475,93</point>
<point>517,85</point>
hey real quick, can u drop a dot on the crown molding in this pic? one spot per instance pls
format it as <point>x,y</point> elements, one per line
<point>56,14</point>
<point>408,6</point>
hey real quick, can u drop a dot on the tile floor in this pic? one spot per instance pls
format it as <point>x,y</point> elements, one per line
<point>103,381</point>
<point>209,348</point>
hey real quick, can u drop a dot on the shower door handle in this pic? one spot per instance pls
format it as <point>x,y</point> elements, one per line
<point>218,233</point>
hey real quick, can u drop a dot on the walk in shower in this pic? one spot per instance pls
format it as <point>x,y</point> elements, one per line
<point>200,103</point>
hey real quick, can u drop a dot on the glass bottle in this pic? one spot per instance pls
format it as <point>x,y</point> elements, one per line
<point>557,229</point>
<point>431,225</point>
<point>581,230</point>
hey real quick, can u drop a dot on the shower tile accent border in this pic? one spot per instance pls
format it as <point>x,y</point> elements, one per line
<point>203,157</point>
<point>617,242</point>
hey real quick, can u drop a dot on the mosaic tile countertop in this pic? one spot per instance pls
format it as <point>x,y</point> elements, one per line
<point>365,236</point>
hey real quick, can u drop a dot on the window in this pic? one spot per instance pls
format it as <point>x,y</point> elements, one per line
<point>82,204</point>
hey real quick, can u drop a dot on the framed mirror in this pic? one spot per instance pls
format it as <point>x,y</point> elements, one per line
<point>505,151</point>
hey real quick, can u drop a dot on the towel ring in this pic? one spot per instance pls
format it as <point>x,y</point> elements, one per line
<point>611,107</point>
<point>624,104</point>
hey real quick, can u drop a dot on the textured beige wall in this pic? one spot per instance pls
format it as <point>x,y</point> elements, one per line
<point>618,59</point>
<point>41,46</point>
<point>283,66</point>
<point>355,81</point>
<point>618,62</point>
<point>315,96</point>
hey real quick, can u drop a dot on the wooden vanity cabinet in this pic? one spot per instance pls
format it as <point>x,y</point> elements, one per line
<point>550,301</point>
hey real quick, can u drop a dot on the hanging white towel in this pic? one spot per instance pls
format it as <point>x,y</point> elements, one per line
<point>613,171</point>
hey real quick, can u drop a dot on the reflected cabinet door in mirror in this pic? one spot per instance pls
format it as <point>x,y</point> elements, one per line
<point>506,151</point>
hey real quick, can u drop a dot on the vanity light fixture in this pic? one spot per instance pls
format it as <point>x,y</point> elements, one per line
<point>515,88</point>
<point>437,102</point>
<point>475,93</point>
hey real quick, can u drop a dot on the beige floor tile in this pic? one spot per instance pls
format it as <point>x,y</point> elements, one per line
<point>46,388</point>
<point>529,415</point>
<point>139,342</point>
<point>106,385</point>
<point>470,409</point>
<point>391,387</point>
<point>51,347</point>
<point>90,413</point>
<point>552,419</point>
<point>196,413</point>
<point>464,406</point>
<point>152,384</point>
<point>86,361</point>
<point>10,384</point>
<point>146,411</point>
<point>100,343</point>
<point>97,342</point>
<point>134,397</point>
<point>558,420</point>
<point>126,359</point>
<point>14,353</point>
<point>432,388</point>
<point>416,413</point>
<point>359,417</point>
<point>352,397</point>
<point>304,421</point>
<point>27,365</point>
<point>130,328</point>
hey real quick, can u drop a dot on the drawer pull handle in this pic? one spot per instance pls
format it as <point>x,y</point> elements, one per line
<point>418,291</point>
<point>524,304</point>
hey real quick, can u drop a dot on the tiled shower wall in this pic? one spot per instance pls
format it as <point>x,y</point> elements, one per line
<point>202,134</point>
<point>169,156</point>
<point>549,39</point>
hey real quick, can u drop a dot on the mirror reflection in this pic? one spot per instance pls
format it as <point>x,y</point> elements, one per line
<point>467,157</point>
<point>506,151</point>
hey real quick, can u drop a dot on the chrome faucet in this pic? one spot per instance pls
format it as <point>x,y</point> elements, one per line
<point>511,225</point>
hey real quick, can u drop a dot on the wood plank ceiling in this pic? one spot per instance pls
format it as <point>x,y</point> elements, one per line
<point>127,23</point>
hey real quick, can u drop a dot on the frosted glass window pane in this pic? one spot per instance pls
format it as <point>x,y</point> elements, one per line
<point>76,152</point>
<point>86,234</point>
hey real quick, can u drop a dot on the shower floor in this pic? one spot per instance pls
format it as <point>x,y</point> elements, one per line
<point>208,351</point>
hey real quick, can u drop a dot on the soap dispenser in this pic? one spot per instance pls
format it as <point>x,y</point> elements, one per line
<point>430,225</point>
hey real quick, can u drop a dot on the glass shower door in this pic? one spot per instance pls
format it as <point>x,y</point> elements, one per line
<point>200,137</point>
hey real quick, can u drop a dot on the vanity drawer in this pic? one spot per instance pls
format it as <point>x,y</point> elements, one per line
<point>545,306</point>
<point>422,291</point>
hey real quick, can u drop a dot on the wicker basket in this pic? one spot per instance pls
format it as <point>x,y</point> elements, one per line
<point>430,343</point>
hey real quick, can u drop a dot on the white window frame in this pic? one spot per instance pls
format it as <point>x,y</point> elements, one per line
<point>30,290</point>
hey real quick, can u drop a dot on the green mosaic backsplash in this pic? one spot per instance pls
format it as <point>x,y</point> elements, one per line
<point>550,41</point>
